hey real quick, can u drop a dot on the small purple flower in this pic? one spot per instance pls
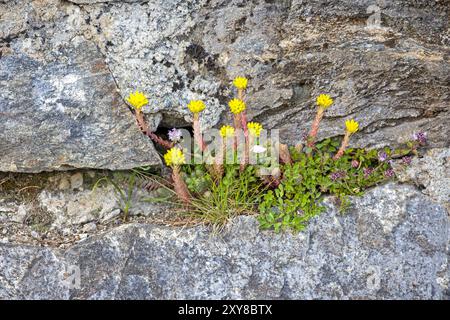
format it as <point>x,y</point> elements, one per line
<point>382,156</point>
<point>367,172</point>
<point>355,163</point>
<point>337,175</point>
<point>389,173</point>
<point>175,135</point>
<point>407,160</point>
<point>420,137</point>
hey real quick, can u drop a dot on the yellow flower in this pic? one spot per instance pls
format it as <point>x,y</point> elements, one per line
<point>227,131</point>
<point>352,126</point>
<point>137,100</point>
<point>236,106</point>
<point>324,101</point>
<point>174,157</point>
<point>240,83</point>
<point>196,106</point>
<point>254,128</point>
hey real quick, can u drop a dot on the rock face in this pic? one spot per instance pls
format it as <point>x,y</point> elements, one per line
<point>59,104</point>
<point>58,208</point>
<point>431,173</point>
<point>393,79</point>
<point>393,244</point>
<point>59,60</point>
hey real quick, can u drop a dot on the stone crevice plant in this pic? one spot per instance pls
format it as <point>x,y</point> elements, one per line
<point>138,100</point>
<point>286,193</point>
<point>196,107</point>
<point>351,126</point>
<point>324,101</point>
<point>175,158</point>
<point>241,85</point>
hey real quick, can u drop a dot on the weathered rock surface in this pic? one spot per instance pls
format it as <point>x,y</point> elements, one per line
<point>431,173</point>
<point>393,244</point>
<point>59,104</point>
<point>58,208</point>
<point>393,79</point>
<point>59,58</point>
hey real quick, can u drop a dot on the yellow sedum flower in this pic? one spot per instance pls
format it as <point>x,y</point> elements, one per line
<point>254,128</point>
<point>236,106</point>
<point>227,131</point>
<point>324,101</point>
<point>240,83</point>
<point>352,126</point>
<point>174,157</point>
<point>137,100</point>
<point>196,106</point>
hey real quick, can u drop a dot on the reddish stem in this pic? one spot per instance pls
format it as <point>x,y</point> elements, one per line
<point>198,133</point>
<point>315,127</point>
<point>344,145</point>
<point>142,124</point>
<point>180,186</point>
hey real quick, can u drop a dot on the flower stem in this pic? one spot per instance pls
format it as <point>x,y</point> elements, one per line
<point>285,155</point>
<point>180,186</point>
<point>344,145</point>
<point>219,160</point>
<point>197,132</point>
<point>142,124</point>
<point>159,140</point>
<point>315,127</point>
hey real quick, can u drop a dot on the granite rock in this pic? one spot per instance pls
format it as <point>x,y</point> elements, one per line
<point>59,104</point>
<point>392,244</point>
<point>386,63</point>
<point>430,173</point>
<point>392,77</point>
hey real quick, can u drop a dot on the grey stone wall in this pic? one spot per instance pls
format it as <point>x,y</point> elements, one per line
<point>392,245</point>
<point>66,65</point>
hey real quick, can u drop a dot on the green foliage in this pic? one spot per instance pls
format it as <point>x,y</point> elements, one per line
<point>296,199</point>
<point>294,202</point>
<point>314,173</point>
<point>197,179</point>
<point>217,201</point>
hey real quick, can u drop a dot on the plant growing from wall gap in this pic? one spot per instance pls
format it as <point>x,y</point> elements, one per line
<point>284,196</point>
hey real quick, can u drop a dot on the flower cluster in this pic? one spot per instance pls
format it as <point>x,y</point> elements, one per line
<point>382,156</point>
<point>420,137</point>
<point>174,157</point>
<point>137,100</point>
<point>237,106</point>
<point>367,172</point>
<point>352,126</point>
<point>254,128</point>
<point>337,175</point>
<point>240,83</point>
<point>196,106</point>
<point>227,131</point>
<point>389,173</point>
<point>175,135</point>
<point>324,101</point>
<point>407,160</point>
